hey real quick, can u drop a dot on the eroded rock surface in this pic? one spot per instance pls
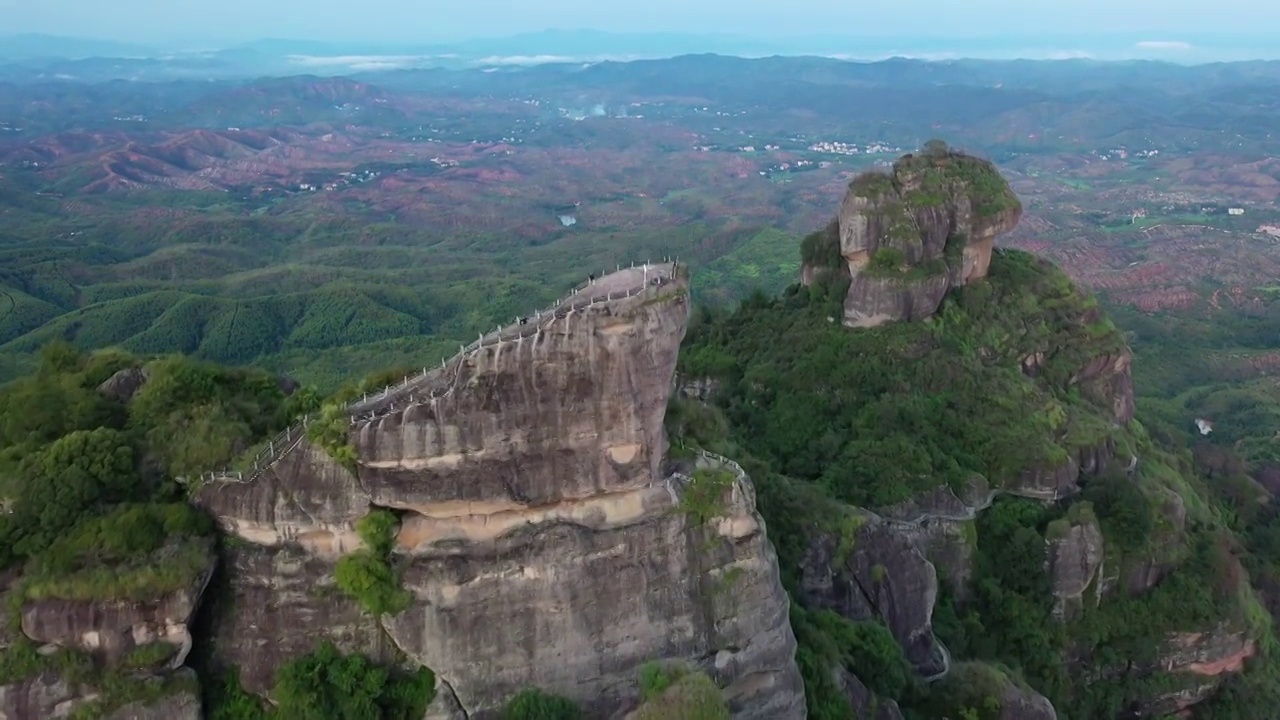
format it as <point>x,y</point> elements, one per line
<point>279,604</point>
<point>306,498</point>
<point>44,696</point>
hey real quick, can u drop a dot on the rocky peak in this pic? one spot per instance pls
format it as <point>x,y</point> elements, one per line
<point>906,237</point>
<point>544,534</point>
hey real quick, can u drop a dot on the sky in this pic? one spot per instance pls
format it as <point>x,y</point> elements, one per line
<point>225,21</point>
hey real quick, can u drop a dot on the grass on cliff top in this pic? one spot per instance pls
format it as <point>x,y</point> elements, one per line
<point>137,552</point>
<point>938,173</point>
<point>940,168</point>
<point>879,415</point>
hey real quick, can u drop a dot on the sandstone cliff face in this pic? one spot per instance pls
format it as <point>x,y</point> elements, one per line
<point>907,237</point>
<point>653,586</point>
<point>564,414</point>
<point>1200,662</point>
<point>542,534</point>
<point>306,498</point>
<point>280,603</point>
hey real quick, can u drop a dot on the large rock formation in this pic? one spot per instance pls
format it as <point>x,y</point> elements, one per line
<point>906,237</point>
<point>542,532</point>
<point>1074,559</point>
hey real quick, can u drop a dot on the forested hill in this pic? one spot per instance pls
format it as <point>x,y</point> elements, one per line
<point>1077,552</point>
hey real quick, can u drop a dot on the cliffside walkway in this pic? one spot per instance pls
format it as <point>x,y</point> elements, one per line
<point>433,384</point>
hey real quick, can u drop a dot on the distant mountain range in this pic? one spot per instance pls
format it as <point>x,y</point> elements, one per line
<point>32,56</point>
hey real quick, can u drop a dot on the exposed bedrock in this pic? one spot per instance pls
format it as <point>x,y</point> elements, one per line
<point>542,535</point>
<point>571,412</point>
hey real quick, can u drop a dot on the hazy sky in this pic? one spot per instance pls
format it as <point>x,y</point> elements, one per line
<point>426,20</point>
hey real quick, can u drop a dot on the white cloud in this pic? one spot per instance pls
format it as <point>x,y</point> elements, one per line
<point>1162,45</point>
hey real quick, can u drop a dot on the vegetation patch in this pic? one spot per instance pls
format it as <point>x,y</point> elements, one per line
<point>535,704</point>
<point>822,249</point>
<point>325,685</point>
<point>828,642</point>
<point>674,690</point>
<point>703,497</point>
<point>330,432</point>
<point>137,552</point>
<point>880,415</point>
<point>368,574</point>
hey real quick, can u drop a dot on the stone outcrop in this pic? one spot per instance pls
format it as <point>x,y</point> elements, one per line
<point>543,535</point>
<point>306,498</point>
<point>1020,703</point>
<point>1074,559</point>
<point>1199,662</point>
<point>124,384</point>
<point>111,629</point>
<point>906,237</point>
<point>46,695</point>
<point>872,571</point>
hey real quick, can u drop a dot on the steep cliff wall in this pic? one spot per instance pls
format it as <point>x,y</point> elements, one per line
<point>543,534</point>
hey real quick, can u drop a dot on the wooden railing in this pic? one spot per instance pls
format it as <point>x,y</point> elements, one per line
<point>393,398</point>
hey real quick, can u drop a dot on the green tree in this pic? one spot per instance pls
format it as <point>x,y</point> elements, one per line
<point>326,685</point>
<point>72,478</point>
